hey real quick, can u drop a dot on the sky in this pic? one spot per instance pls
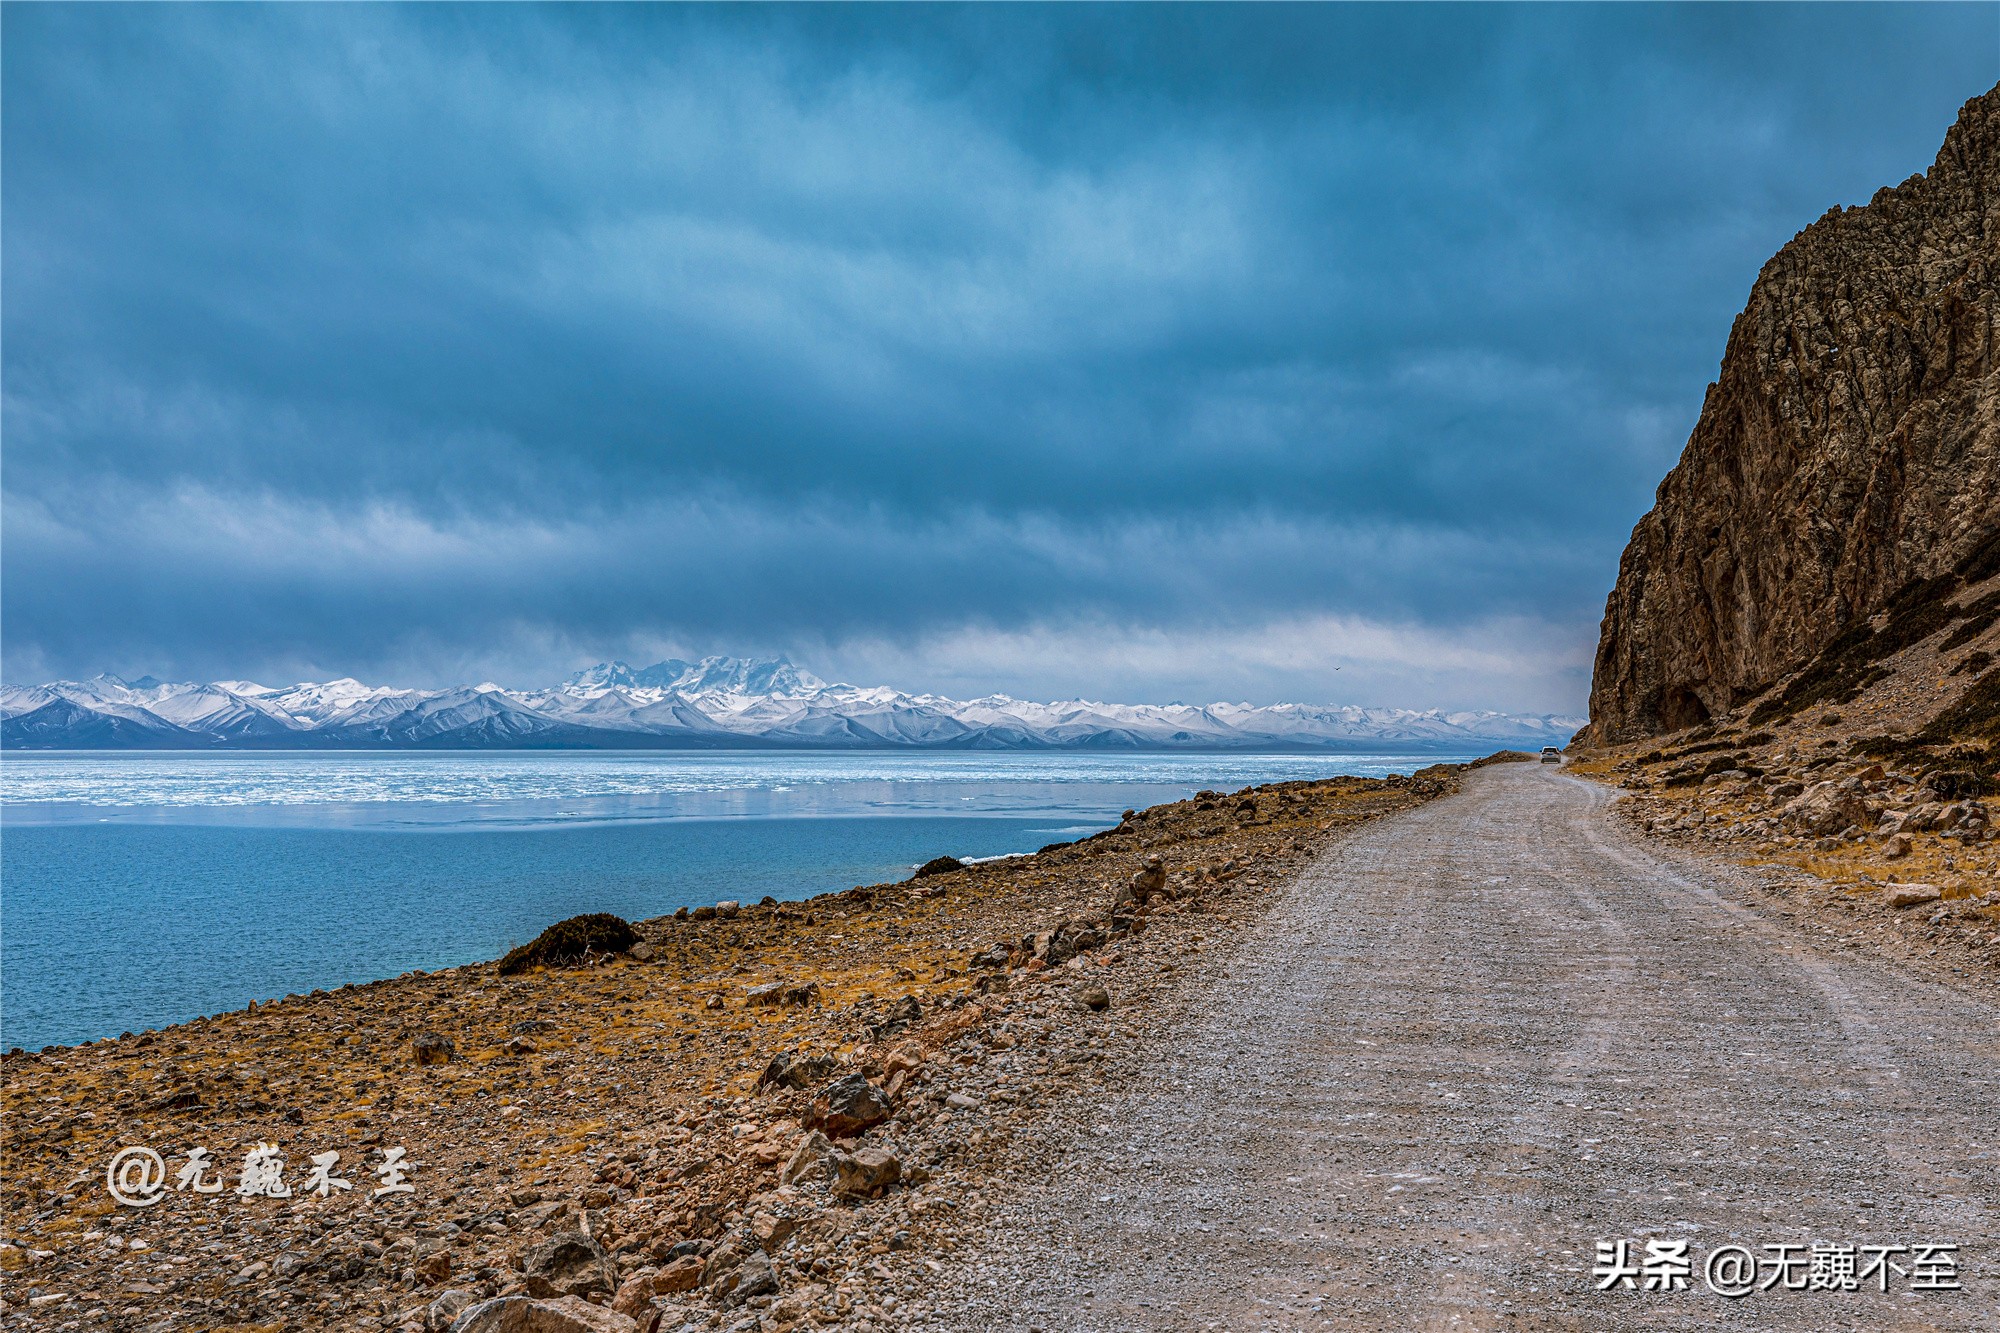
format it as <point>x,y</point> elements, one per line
<point>1323,354</point>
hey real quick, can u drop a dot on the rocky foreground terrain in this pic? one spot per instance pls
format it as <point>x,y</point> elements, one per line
<point>770,1116</point>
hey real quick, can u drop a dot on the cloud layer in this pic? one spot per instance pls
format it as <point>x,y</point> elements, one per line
<point>1193,352</point>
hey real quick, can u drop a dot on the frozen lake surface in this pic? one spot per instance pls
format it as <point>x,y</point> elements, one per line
<point>147,889</point>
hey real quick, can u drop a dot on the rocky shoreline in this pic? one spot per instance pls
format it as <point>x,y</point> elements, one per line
<point>774,1116</point>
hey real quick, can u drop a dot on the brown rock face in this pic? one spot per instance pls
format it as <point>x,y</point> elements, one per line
<point>1849,447</point>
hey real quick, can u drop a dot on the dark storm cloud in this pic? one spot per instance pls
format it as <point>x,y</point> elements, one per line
<point>427,341</point>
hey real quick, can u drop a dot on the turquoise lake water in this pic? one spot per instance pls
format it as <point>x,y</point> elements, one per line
<point>140,890</point>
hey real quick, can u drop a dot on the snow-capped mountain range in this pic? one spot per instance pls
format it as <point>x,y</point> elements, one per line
<point>716,703</point>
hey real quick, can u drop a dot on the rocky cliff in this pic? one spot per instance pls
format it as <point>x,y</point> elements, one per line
<point>1846,461</point>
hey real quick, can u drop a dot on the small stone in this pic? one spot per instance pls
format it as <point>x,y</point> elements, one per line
<point>434,1269</point>
<point>1897,847</point>
<point>903,1059</point>
<point>772,1230</point>
<point>290,1264</point>
<point>1151,878</point>
<point>1093,996</point>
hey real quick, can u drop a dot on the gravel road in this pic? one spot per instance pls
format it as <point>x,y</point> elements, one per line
<point>1466,1045</point>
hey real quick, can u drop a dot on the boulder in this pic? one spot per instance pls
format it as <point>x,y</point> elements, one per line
<point>1828,808</point>
<point>635,1295</point>
<point>849,1105</point>
<point>752,1278</point>
<point>865,1173</point>
<point>571,1264</point>
<point>571,941</point>
<point>791,1070</point>
<point>1910,895</point>
<point>683,1274</point>
<point>1093,996</point>
<point>431,1049</point>
<point>444,1311</point>
<point>738,1269</point>
<point>808,1160</point>
<point>523,1314</point>
<point>1948,784</point>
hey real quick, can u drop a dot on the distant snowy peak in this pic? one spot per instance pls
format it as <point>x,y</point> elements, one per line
<point>718,702</point>
<point>723,675</point>
<point>618,676</point>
